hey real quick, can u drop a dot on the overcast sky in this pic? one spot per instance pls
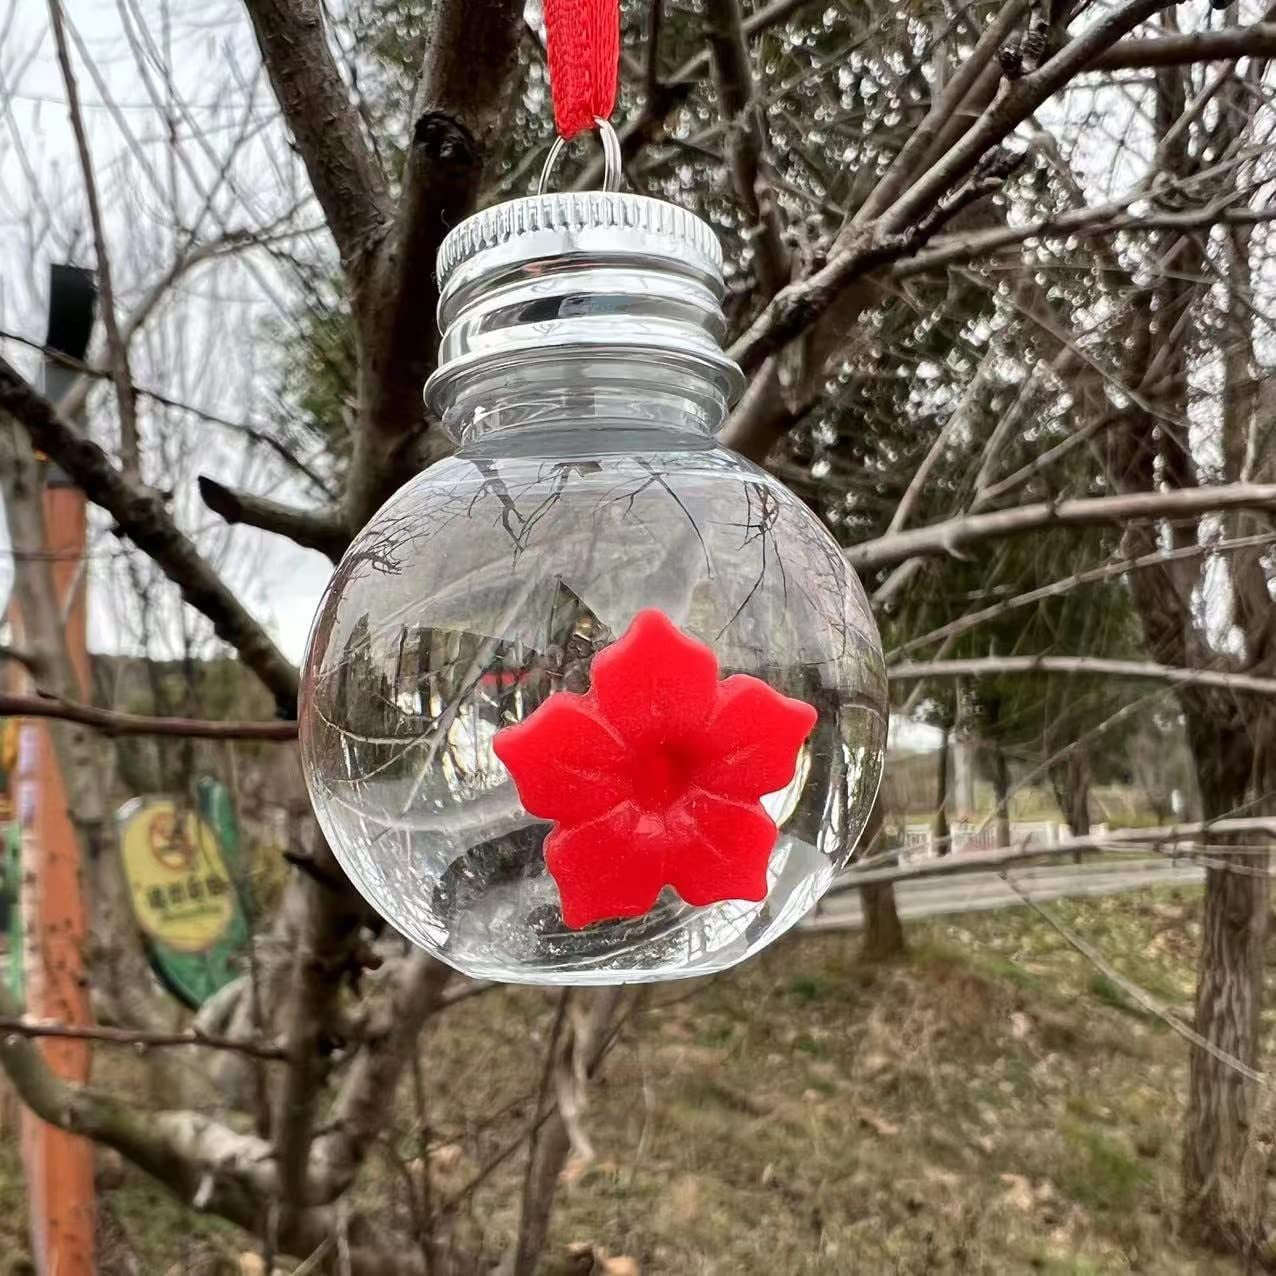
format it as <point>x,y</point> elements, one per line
<point>206,347</point>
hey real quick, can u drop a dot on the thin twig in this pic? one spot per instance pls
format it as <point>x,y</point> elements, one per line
<point>1114,839</point>
<point>117,349</point>
<point>1132,990</point>
<point>142,514</point>
<point>139,1039</point>
<point>963,624</point>
<point>956,534</point>
<point>988,666</point>
<point>253,433</point>
<point>113,722</point>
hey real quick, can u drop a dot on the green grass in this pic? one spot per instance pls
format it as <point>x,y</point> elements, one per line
<point>805,989</point>
<point>15,1258</point>
<point>1100,1171</point>
<point>144,1223</point>
<point>1113,804</point>
<point>992,1104</point>
<point>983,1107</point>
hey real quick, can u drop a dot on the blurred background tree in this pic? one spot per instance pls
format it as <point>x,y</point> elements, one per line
<point>1000,277</point>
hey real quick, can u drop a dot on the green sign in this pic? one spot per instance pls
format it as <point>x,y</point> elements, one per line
<point>182,866</point>
<point>11,908</point>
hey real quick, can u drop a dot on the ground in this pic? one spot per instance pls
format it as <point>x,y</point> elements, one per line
<point>990,1104</point>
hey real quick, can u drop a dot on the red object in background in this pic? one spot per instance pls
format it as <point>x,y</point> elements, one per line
<point>582,40</point>
<point>59,1165</point>
<point>653,777</point>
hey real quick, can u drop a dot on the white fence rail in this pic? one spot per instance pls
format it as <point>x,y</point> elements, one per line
<point>964,835</point>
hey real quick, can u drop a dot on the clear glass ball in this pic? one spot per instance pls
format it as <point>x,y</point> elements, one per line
<point>488,583</point>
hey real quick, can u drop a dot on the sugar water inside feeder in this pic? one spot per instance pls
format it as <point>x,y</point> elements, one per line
<point>592,700</point>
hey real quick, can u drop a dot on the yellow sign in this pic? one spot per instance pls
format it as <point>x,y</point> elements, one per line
<point>182,893</point>
<point>9,746</point>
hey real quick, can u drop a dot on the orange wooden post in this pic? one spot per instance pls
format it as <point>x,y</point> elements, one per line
<point>59,1165</point>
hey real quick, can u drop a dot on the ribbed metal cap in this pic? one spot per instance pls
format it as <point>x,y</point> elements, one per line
<point>580,273</point>
<point>535,226</point>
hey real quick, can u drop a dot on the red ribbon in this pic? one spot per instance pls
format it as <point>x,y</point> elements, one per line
<point>584,52</point>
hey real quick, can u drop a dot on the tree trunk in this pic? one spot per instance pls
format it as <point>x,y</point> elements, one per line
<point>1000,776</point>
<point>941,835</point>
<point>883,937</point>
<point>963,799</point>
<point>573,1061</point>
<point>1001,793</point>
<point>883,931</point>
<point>1224,1167</point>
<point>1070,779</point>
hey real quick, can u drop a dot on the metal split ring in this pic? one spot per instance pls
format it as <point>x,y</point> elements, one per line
<point>611,157</point>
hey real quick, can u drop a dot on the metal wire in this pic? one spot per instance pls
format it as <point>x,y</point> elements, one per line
<point>611,158</point>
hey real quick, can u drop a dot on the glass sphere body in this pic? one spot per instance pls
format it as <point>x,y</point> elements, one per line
<point>579,497</point>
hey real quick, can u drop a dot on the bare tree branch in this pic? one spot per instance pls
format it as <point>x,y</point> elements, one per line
<point>651,62</point>
<point>179,1148</point>
<point>359,1112</point>
<point>1131,839</point>
<point>313,529</point>
<point>117,346</point>
<point>142,517</point>
<point>1158,558</point>
<point>956,534</point>
<point>329,951</point>
<point>1138,995</point>
<point>958,420</point>
<point>1076,847</point>
<point>469,59</point>
<point>941,113</point>
<point>799,305</point>
<point>997,666</point>
<point>1016,101</point>
<point>902,227</point>
<point>669,93</point>
<point>1257,41</point>
<point>347,179</point>
<point>137,1038</point>
<point>745,142</point>
<point>1107,219</point>
<point>112,722</point>
<point>1025,55</point>
<point>74,401</point>
<point>573,1057</point>
<point>201,1161</point>
<point>117,964</point>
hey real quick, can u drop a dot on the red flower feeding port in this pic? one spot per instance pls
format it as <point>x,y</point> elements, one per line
<point>653,777</point>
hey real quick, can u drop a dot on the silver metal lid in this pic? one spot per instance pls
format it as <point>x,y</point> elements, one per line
<point>580,274</point>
